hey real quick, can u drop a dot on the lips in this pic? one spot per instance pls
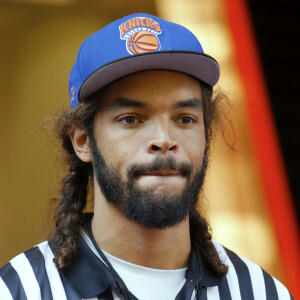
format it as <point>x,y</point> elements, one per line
<point>161,173</point>
<point>160,167</point>
<point>163,180</point>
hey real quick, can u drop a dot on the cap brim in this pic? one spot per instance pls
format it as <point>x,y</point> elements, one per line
<point>196,64</point>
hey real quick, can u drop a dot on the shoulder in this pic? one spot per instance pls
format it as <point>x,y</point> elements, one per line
<point>30,273</point>
<point>245,278</point>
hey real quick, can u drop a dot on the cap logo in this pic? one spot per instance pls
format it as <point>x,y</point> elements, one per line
<point>141,35</point>
<point>72,96</point>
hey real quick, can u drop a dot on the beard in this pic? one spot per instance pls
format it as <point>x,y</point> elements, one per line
<point>150,209</point>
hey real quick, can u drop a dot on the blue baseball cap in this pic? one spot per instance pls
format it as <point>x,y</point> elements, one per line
<point>136,43</point>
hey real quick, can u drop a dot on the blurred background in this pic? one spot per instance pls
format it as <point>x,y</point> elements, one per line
<point>252,195</point>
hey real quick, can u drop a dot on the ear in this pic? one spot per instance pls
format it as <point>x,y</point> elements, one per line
<point>81,144</point>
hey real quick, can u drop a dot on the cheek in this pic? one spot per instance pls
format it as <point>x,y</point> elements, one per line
<point>193,144</point>
<point>118,150</point>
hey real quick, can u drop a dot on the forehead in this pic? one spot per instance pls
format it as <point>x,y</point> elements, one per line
<point>154,88</point>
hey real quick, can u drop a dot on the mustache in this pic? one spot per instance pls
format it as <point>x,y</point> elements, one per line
<point>160,164</point>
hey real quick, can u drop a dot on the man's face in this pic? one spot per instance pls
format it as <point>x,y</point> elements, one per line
<point>149,145</point>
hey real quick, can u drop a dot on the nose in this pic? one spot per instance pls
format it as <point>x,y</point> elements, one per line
<point>162,141</point>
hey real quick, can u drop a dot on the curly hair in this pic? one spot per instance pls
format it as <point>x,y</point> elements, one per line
<point>69,214</point>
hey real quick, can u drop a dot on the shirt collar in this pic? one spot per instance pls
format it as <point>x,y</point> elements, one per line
<point>200,272</point>
<point>89,277</point>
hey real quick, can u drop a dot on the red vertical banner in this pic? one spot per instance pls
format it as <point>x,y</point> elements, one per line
<point>265,142</point>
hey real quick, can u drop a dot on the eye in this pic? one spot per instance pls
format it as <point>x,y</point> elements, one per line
<point>186,120</point>
<point>129,120</point>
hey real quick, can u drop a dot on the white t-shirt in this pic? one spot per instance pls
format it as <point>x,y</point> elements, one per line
<point>144,283</point>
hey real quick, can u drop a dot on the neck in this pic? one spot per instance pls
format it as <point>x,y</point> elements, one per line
<point>153,248</point>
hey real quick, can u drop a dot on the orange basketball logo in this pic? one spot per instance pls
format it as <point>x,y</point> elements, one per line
<point>142,41</point>
<point>140,35</point>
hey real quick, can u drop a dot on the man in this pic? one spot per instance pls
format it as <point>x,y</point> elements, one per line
<point>138,132</point>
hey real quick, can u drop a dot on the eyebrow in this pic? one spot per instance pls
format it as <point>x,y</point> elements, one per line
<point>193,102</point>
<point>126,102</point>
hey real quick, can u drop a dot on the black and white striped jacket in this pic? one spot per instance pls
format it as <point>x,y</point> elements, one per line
<point>32,275</point>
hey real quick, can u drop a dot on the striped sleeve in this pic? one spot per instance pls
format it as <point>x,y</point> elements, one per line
<point>56,285</point>
<point>257,279</point>
<point>282,291</point>
<point>4,291</point>
<point>243,275</point>
<point>245,280</point>
<point>22,266</point>
<point>32,275</point>
<point>11,283</point>
<point>37,263</point>
<point>271,291</point>
<point>232,276</point>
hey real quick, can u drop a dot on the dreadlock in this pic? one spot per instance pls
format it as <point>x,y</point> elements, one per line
<point>69,214</point>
